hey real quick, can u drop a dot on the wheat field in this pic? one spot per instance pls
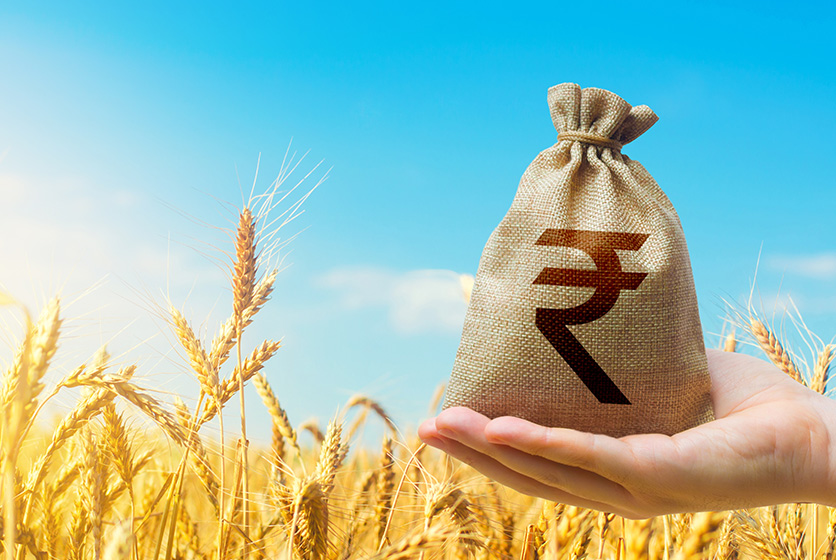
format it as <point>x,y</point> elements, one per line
<point>96,486</point>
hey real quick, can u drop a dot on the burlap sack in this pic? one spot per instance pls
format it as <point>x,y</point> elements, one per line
<point>584,314</point>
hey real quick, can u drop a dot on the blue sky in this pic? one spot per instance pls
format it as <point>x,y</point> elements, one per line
<point>113,118</point>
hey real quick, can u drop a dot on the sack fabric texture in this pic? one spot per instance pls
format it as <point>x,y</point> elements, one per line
<point>583,313</point>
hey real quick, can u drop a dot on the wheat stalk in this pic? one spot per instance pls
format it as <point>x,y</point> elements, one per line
<point>244,275</point>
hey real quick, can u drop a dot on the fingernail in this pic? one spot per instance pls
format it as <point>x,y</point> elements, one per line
<point>434,442</point>
<point>494,438</point>
<point>495,435</point>
<point>446,433</point>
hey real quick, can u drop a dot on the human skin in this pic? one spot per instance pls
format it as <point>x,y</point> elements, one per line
<point>773,441</point>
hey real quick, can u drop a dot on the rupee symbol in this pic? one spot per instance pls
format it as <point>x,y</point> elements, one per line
<point>608,280</point>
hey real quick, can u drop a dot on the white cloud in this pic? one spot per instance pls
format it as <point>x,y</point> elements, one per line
<point>795,302</point>
<point>417,301</point>
<point>821,266</point>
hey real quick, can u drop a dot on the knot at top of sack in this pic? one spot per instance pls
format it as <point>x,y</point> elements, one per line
<point>597,116</point>
<point>589,139</point>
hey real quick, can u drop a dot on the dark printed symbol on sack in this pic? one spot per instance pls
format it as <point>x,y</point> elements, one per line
<point>608,280</point>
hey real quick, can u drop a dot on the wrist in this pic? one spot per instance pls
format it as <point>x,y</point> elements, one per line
<point>827,495</point>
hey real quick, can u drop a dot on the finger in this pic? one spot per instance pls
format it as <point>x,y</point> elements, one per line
<point>427,429</point>
<point>608,457</point>
<point>468,428</point>
<point>521,483</point>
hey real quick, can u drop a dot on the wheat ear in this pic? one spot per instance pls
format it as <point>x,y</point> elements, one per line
<point>417,542</point>
<point>570,520</point>
<point>604,521</point>
<point>120,384</point>
<point>121,543</point>
<point>730,343</point>
<point>703,529</point>
<point>188,532</point>
<point>16,393</point>
<point>51,522</point>
<point>78,530</point>
<point>252,365</point>
<point>43,348</point>
<point>680,526</point>
<point>205,371</point>
<point>638,537</point>
<point>822,369</point>
<point>245,267</point>
<point>92,474</point>
<point>331,456</point>
<point>84,411</point>
<point>309,528</point>
<point>830,539</point>
<point>312,427</point>
<point>224,341</point>
<point>581,547</point>
<point>443,496</point>
<point>774,350</point>
<point>792,527</point>
<point>370,404</point>
<point>778,536</point>
<point>385,488</point>
<point>153,409</point>
<point>541,528</point>
<point>118,446</point>
<point>725,542</point>
<point>277,413</point>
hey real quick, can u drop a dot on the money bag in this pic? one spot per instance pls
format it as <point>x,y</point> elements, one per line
<point>583,313</point>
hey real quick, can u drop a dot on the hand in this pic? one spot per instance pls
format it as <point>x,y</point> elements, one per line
<point>773,441</point>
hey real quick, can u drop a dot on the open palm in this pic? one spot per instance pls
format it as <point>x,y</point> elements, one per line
<point>771,443</point>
